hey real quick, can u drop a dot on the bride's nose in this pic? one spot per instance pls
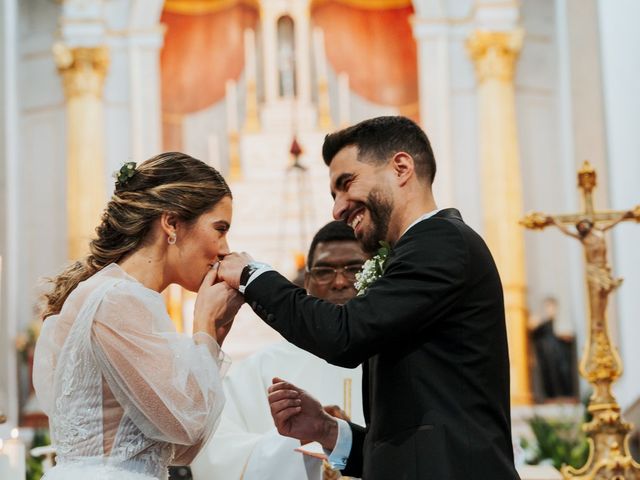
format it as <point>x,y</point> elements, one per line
<point>224,247</point>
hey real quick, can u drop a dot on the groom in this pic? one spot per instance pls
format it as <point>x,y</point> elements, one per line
<point>430,331</point>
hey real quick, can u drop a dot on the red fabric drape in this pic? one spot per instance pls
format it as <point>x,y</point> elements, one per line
<point>200,53</point>
<point>376,48</point>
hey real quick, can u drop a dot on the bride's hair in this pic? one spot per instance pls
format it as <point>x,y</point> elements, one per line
<point>171,182</point>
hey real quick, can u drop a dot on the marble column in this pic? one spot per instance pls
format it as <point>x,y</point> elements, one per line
<point>83,71</point>
<point>141,48</point>
<point>433,39</point>
<point>495,54</point>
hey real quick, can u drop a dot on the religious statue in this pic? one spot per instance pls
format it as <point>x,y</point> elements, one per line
<point>554,355</point>
<point>286,57</point>
<point>601,364</point>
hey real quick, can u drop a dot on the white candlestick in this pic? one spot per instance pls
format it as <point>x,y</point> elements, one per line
<point>232,106</point>
<point>15,450</point>
<point>343,99</point>
<point>250,54</point>
<point>319,54</point>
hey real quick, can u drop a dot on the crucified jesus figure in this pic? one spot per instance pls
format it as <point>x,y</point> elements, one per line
<point>600,281</point>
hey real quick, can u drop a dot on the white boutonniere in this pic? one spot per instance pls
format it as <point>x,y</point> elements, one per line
<point>372,269</point>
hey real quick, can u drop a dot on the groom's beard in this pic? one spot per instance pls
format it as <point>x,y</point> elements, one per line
<point>379,203</point>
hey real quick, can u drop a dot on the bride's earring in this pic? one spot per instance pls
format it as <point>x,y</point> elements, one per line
<point>171,240</point>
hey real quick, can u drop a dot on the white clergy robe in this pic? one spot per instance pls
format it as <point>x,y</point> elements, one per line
<point>246,444</point>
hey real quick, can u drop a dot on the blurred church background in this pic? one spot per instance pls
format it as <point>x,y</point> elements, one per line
<point>513,95</point>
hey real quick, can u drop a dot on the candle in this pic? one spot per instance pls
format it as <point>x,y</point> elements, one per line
<point>347,397</point>
<point>15,451</point>
<point>343,99</point>
<point>232,106</point>
<point>5,471</point>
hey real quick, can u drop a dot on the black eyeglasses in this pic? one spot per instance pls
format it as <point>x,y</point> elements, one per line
<point>324,275</point>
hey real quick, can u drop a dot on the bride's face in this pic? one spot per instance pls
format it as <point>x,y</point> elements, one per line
<point>201,244</point>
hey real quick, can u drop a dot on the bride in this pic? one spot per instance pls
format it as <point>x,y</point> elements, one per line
<point>125,393</point>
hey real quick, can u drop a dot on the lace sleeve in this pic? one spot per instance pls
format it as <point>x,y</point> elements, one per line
<point>44,365</point>
<point>168,383</point>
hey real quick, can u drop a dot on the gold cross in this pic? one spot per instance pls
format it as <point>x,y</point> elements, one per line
<point>586,182</point>
<point>600,364</point>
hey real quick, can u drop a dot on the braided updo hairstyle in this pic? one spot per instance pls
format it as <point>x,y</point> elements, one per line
<point>171,182</point>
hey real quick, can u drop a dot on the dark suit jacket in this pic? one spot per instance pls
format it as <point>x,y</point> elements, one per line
<point>431,336</point>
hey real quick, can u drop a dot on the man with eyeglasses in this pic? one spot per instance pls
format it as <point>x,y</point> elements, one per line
<point>246,444</point>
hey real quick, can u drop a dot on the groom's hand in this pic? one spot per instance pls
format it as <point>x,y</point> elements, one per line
<point>231,268</point>
<point>298,415</point>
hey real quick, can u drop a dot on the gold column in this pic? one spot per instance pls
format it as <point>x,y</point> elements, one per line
<point>494,55</point>
<point>83,70</point>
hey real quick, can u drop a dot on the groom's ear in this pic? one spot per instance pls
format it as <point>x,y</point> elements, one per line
<point>403,167</point>
<point>168,223</point>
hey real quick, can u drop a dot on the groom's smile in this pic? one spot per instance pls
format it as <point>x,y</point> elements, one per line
<point>362,197</point>
<point>355,218</point>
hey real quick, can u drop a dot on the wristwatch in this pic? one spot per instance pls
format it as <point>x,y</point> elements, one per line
<point>248,271</point>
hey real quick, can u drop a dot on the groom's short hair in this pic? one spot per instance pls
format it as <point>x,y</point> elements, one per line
<point>378,139</point>
<point>332,232</point>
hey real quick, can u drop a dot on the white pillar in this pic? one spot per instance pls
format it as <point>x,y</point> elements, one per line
<point>621,81</point>
<point>133,117</point>
<point>434,86</point>
<point>10,248</point>
<point>143,48</point>
<point>269,55</point>
<point>303,53</point>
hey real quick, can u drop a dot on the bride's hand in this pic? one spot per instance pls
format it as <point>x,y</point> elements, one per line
<point>216,307</point>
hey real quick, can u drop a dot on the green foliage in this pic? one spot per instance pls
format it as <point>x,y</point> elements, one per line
<point>558,442</point>
<point>381,257</point>
<point>34,465</point>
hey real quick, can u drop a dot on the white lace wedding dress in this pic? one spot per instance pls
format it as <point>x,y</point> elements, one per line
<point>125,393</point>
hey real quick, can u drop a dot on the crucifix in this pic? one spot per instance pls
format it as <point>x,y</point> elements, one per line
<point>601,365</point>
